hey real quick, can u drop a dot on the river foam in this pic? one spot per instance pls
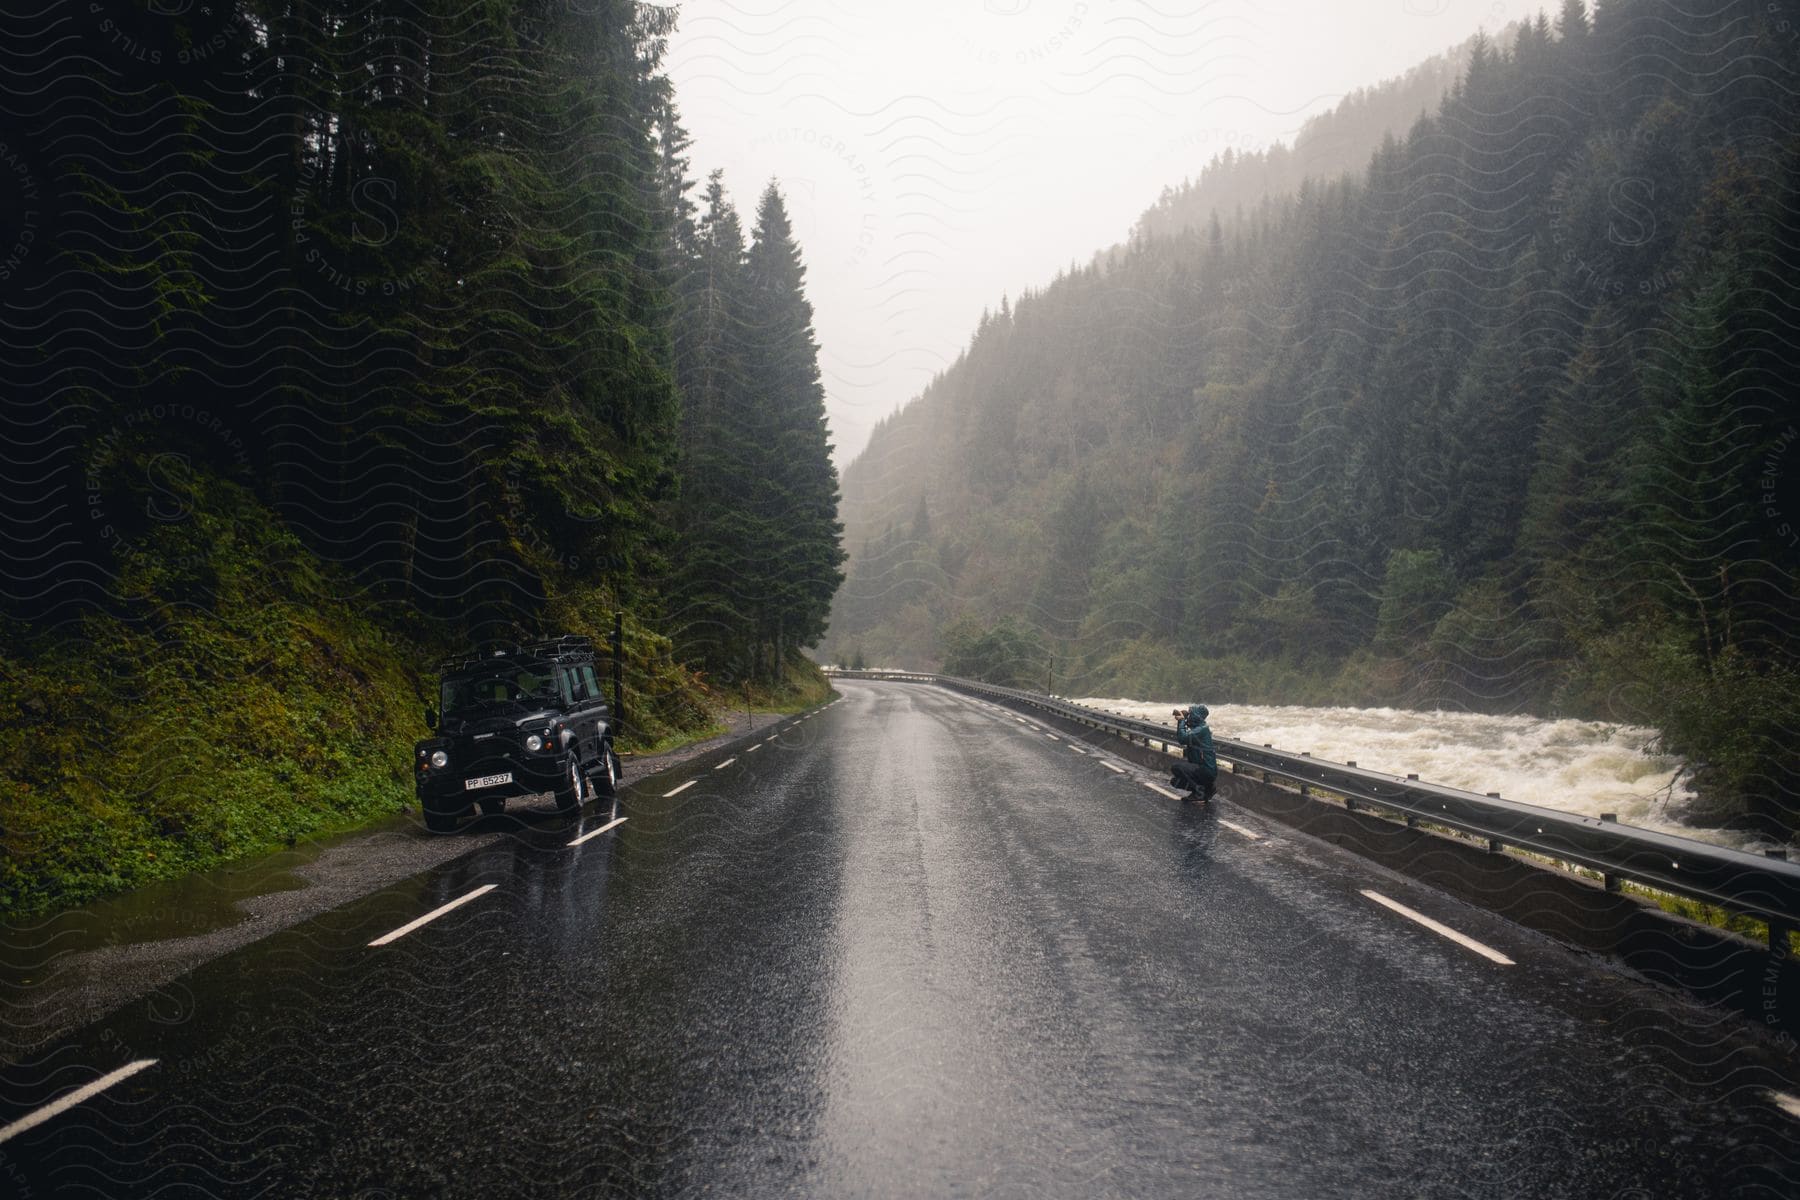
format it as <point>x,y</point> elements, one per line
<point>1587,767</point>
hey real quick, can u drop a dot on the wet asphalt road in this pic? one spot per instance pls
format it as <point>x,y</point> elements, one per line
<point>910,946</point>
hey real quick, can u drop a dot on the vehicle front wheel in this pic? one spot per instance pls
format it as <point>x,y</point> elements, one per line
<point>568,789</point>
<point>605,777</point>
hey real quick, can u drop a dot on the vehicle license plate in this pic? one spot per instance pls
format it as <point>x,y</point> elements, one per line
<point>470,785</point>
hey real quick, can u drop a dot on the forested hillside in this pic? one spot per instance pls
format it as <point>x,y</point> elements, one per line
<point>1328,145</point>
<point>1505,421</point>
<point>339,336</point>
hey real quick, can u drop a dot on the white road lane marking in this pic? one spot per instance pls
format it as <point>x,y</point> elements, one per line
<point>594,833</point>
<point>1111,767</point>
<point>1441,929</point>
<point>1236,828</point>
<point>1160,790</point>
<point>755,748</point>
<point>1785,1101</point>
<point>433,915</point>
<point>765,741</point>
<point>726,763</point>
<point>1078,749</point>
<point>32,1120</point>
<point>677,791</point>
<point>1053,737</point>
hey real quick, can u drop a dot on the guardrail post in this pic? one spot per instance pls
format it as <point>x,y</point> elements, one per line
<point>1412,819</point>
<point>1779,930</point>
<point>1607,878</point>
<point>1495,845</point>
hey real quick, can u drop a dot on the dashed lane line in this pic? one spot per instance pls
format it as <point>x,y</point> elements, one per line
<point>1078,749</point>
<point>1785,1101</point>
<point>1160,790</point>
<point>1463,940</point>
<point>32,1120</point>
<point>433,915</point>
<point>726,763</point>
<point>594,833</point>
<point>677,791</point>
<point>1053,737</point>
<point>1112,767</point>
<point>755,748</point>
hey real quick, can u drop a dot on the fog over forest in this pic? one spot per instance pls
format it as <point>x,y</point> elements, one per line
<point>1490,414</point>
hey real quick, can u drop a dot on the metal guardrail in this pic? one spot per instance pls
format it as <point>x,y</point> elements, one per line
<point>1764,887</point>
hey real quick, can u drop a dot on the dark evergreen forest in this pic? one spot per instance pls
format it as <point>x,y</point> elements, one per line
<point>1504,420</point>
<point>339,336</point>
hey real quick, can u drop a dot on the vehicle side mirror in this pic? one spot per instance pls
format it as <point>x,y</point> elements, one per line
<point>430,717</point>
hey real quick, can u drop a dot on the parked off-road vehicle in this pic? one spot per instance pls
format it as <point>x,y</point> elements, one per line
<point>516,722</point>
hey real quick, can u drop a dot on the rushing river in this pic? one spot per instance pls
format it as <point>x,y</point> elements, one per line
<point>1588,767</point>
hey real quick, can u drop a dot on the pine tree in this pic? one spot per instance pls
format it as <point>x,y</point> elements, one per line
<point>719,534</point>
<point>799,491</point>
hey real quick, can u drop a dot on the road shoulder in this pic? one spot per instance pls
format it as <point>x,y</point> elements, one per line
<point>73,968</point>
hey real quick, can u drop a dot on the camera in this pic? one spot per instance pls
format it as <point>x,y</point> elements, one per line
<point>1180,713</point>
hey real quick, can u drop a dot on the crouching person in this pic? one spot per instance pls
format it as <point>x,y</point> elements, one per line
<point>1198,773</point>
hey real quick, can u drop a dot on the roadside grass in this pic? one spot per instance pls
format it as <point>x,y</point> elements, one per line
<point>232,704</point>
<point>672,741</point>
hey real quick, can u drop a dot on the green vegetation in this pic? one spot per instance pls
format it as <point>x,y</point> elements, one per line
<point>409,361</point>
<point>1004,654</point>
<point>1502,421</point>
<point>144,749</point>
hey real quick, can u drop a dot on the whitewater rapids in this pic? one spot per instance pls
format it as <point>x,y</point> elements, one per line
<point>1586,767</point>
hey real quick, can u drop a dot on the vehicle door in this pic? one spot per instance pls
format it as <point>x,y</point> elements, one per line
<point>599,715</point>
<point>580,714</point>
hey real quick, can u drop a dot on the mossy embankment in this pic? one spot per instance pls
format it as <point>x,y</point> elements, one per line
<point>237,695</point>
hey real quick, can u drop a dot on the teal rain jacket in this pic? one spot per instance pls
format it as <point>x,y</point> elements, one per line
<point>1196,738</point>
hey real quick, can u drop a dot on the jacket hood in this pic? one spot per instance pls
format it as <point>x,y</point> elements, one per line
<point>1198,712</point>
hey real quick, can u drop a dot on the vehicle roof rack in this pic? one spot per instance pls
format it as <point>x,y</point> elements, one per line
<point>569,649</point>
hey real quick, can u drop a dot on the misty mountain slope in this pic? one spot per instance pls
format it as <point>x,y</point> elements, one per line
<point>1501,424</point>
<point>1327,145</point>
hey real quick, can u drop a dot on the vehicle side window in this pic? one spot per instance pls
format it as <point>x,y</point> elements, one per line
<point>567,685</point>
<point>593,685</point>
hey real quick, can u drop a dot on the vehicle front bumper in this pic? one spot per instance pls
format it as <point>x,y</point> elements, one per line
<point>445,790</point>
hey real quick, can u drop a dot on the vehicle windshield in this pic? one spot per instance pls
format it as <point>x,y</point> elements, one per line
<point>503,685</point>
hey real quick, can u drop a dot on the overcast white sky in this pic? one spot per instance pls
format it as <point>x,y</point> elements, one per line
<point>937,154</point>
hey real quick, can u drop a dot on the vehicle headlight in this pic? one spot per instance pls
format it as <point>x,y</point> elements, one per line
<point>439,759</point>
<point>534,742</point>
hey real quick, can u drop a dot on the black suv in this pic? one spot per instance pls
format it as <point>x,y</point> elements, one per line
<point>516,722</point>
